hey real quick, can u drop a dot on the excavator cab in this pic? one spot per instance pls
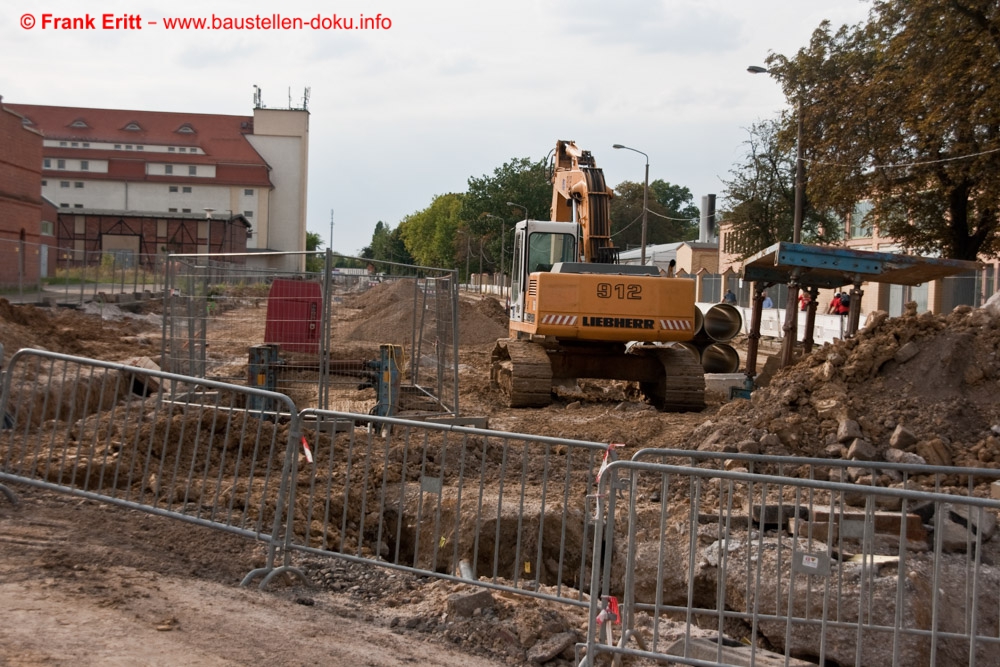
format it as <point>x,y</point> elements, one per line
<point>537,247</point>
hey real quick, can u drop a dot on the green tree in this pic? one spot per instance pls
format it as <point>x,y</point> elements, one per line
<point>387,245</point>
<point>671,217</point>
<point>485,211</point>
<point>429,235</point>
<point>902,110</point>
<point>759,199</point>
<point>314,262</point>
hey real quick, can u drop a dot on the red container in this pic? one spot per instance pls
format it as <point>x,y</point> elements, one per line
<point>294,312</point>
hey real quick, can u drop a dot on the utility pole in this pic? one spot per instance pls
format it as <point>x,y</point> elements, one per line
<point>331,229</point>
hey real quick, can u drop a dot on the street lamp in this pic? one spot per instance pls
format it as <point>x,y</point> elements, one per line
<point>800,169</point>
<point>645,200</point>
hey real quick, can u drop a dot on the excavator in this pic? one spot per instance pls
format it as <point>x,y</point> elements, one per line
<point>575,312</point>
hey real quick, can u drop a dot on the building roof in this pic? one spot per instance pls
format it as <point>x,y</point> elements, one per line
<point>221,137</point>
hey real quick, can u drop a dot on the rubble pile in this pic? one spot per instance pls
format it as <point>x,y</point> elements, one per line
<point>912,389</point>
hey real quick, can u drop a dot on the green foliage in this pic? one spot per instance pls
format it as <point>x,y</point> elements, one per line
<point>429,235</point>
<point>903,110</point>
<point>314,263</point>
<point>672,216</point>
<point>387,245</point>
<point>487,215</point>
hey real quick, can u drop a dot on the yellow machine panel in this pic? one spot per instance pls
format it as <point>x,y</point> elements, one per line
<point>609,307</point>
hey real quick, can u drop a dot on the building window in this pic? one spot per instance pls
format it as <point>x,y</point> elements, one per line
<point>194,150</point>
<point>172,210</point>
<point>75,144</point>
<point>48,228</point>
<point>140,148</point>
<point>186,188</point>
<point>133,127</point>
<point>170,149</point>
<point>78,123</point>
<point>172,188</point>
<point>84,165</point>
<point>168,169</point>
<point>248,192</point>
<point>247,214</point>
<point>46,163</point>
<point>185,210</point>
<point>128,147</point>
<point>63,205</point>
<point>182,149</point>
<point>86,144</point>
<point>192,171</point>
<point>861,223</point>
<point>77,205</point>
<point>62,143</point>
<point>78,184</point>
<point>44,182</point>
<point>64,184</point>
<point>118,147</point>
<point>60,164</point>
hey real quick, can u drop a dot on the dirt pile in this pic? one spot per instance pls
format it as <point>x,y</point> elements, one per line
<point>932,376</point>
<point>387,316</point>
<point>71,332</point>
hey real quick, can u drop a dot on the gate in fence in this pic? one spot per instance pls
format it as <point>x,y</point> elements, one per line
<point>741,559</point>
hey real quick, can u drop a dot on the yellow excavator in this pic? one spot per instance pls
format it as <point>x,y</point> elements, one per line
<point>575,312</point>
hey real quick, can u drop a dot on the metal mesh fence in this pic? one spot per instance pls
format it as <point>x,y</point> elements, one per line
<point>750,559</point>
<point>327,339</point>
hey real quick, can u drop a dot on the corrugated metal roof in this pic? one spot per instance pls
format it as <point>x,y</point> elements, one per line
<point>833,267</point>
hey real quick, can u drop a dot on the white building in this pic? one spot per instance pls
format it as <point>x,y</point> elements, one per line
<point>112,159</point>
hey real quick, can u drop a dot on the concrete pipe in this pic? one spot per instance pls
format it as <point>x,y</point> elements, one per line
<point>699,323</point>
<point>723,322</point>
<point>690,347</point>
<point>720,358</point>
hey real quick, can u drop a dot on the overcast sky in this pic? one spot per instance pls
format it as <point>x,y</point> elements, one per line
<point>452,89</point>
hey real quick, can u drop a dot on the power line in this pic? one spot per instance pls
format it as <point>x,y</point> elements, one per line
<point>906,164</point>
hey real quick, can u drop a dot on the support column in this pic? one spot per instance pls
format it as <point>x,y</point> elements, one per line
<point>807,338</point>
<point>854,315</point>
<point>791,325</point>
<point>753,338</point>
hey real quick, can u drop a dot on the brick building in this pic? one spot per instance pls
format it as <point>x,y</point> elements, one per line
<point>21,238</point>
<point>146,234</point>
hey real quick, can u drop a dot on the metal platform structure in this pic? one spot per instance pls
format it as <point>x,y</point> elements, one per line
<point>811,267</point>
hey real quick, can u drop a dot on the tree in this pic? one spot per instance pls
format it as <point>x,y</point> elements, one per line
<point>429,235</point>
<point>903,111</point>
<point>672,216</point>
<point>760,198</point>
<point>387,245</point>
<point>485,210</point>
<point>314,262</point>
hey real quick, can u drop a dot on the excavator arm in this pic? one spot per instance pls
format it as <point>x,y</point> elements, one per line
<point>580,195</point>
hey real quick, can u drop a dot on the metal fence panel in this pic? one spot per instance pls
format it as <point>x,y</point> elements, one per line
<point>503,510</point>
<point>764,560</point>
<point>163,443</point>
<point>217,313</point>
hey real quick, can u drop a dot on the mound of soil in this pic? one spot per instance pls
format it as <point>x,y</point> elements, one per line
<point>934,375</point>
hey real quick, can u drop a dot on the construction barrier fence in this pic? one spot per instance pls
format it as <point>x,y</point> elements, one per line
<point>171,445</point>
<point>749,559</point>
<point>696,558</point>
<point>324,337</point>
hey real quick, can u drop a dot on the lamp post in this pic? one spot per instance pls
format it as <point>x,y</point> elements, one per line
<point>800,170</point>
<point>645,200</point>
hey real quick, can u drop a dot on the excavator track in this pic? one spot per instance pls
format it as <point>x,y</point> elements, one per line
<point>522,372</point>
<point>682,388</point>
